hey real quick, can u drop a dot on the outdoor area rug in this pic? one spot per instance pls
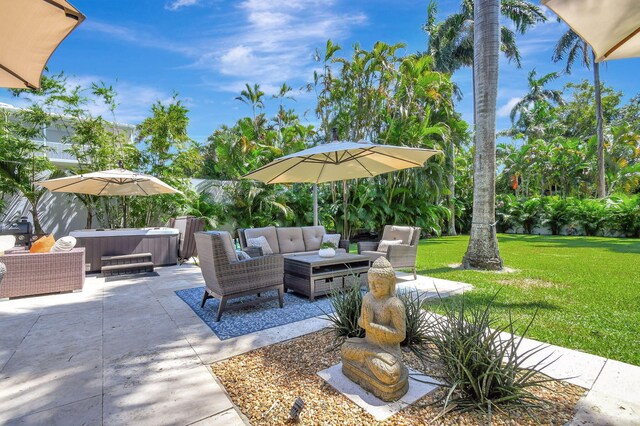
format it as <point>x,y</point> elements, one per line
<point>258,317</point>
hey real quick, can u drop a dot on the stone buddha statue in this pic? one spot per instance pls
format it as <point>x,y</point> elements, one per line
<point>375,361</point>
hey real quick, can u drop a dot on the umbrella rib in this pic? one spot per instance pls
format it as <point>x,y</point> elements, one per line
<point>141,188</point>
<point>103,188</point>
<point>13,74</point>
<point>285,171</point>
<point>621,42</point>
<point>395,157</point>
<point>354,158</point>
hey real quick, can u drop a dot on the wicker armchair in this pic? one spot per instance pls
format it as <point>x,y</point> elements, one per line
<point>400,255</point>
<point>226,277</point>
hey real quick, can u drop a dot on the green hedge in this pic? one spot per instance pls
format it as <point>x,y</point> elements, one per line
<point>617,215</point>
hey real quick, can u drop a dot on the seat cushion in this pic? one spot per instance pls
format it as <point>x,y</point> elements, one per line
<point>403,233</point>
<point>312,236</point>
<point>269,232</point>
<point>290,239</point>
<point>383,245</point>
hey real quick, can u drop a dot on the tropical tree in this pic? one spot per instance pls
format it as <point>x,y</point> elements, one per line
<point>537,93</point>
<point>575,49</point>
<point>483,252</point>
<point>451,46</point>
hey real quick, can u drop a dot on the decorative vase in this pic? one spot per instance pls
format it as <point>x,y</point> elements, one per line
<point>326,252</point>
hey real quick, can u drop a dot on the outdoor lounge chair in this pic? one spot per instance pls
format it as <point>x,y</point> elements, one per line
<point>401,255</point>
<point>226,277</point>
<point>188,226</point>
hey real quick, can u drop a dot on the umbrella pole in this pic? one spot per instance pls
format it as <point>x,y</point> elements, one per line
<point>344,208</point>
<point>315,204</point>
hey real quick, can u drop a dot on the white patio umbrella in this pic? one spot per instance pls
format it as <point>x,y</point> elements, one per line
<point>610,27</point>
<point>30,30</point>
<point>110,182</point>
<point>120,182</point>
<point>340,161</point>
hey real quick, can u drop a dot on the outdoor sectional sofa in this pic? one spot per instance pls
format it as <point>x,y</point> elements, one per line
<point>290,241</point>
<point>30,274</point>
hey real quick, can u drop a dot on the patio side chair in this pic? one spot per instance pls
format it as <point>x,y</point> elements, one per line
<point>226,277</point>
<point>400,255</point>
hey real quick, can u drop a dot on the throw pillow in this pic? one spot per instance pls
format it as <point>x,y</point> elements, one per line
<point>242,255</point>
<point>64,244</point>
<point>43,244</point>
<point>6,242</point>
<point>331,238</point>
<point>383,245</point>
<point>261,242</point>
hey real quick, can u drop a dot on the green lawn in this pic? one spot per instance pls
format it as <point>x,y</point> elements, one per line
<point>587,289</point>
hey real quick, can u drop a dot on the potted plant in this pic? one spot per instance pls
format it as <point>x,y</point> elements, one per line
<point>327,249</point>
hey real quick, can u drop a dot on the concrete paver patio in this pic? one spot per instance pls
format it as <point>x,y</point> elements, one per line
<point>131,352</point>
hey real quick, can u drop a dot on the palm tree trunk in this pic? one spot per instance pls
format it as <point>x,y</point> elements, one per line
<point>601,184</point>
<point>483,252</point>
<point>451,181</point>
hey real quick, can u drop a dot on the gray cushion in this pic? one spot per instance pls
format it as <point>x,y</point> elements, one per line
<point>312,236</point>
<point>269,232</point>
<point>403,233</point>
<point>290,239</point>
<point>383,246</point>
<point>260,242</point>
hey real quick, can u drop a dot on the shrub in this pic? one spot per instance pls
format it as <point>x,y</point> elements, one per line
<point>480,361</point>
<point>530,212</point>
<point>417,322</point>
<point>347,305</point>
<point>591,215</point>
<point>556,214</point>
<point>346,311</point>
<point>625,215</point>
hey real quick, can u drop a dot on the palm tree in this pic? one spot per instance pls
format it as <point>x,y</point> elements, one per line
<point>482,251</point>
<point>537,93</point>
<point>575,48</point>
<point>451,45</point>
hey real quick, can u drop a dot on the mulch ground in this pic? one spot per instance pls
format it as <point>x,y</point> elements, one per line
<point>264,384</point>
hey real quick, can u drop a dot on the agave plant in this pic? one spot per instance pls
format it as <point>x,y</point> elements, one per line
<point>482,364</point>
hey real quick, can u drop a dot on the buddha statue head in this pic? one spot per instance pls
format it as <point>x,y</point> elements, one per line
<point>382,279</point>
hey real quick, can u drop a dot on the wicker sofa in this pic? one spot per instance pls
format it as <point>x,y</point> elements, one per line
<point>288,241</point>
<point>402,255</point>
<point>30,274</point>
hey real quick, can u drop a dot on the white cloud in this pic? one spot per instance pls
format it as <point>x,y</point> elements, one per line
<point>505,109</point>
<point>269,48</point>
<point>140,37</point>
<point>177,4</point>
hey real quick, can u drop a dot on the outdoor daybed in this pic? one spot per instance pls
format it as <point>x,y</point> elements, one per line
<point>31,274</point>
<point>298,240</point>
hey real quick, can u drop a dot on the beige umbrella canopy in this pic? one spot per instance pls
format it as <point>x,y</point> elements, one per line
<point>30,30</point>
<point>110,182</point>
<point>340,161</point>
<point>611,27</point>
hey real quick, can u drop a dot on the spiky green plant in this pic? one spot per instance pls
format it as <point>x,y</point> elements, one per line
<point>482,364</point>
<point>347,305</point>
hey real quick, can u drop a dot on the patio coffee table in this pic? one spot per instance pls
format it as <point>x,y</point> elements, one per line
<point>313,275</point>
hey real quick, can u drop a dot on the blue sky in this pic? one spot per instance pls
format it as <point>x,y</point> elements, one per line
<point>206,50</point>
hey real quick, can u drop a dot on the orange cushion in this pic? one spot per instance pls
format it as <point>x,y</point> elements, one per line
<point>43,244</point>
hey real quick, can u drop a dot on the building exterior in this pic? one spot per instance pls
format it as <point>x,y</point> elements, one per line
<point>53,138</point>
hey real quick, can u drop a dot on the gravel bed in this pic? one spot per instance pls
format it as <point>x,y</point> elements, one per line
<point>265,382</point>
